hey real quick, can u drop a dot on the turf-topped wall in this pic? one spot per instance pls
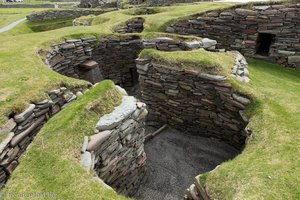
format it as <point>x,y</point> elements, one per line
<point>61,14</point>
<point>263,29</point>
<point>21,129</point>
<point>111,58</point>
<point>193,101</point>
<point>116,150</point>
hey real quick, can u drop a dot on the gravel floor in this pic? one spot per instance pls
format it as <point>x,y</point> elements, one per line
<point>175,158</point>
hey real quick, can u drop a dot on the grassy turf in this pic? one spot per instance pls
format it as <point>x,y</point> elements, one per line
<point>203,61</point>
<point>49,25</point>
<point>269,166</point>
<point>9,15</point>
<point>19,59</point>
<point>267,169</point>
<point>52,162</point>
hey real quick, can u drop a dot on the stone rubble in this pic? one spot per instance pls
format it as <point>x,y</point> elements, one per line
<point>20,130</point>
<point>116,151</point>
<point>240,69</point>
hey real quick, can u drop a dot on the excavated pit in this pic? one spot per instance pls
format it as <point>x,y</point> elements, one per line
<point>174,158</point>
<point>204,112</point>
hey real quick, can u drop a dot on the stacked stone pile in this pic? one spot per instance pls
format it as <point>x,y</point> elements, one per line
<point>134,25</point>
<point>116,150</point>
<point>239,28</point>
<point>192,101</point>
<point>62,14</point>
<point>21,129</point>
<point>240,69</point>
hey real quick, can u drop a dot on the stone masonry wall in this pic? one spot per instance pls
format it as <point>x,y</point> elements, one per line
<point>113,58</point>
<point>73,58</point>
<point>116,150</point>
<point>20,130</point>
<point>239,28</point>
<point>194,102</point>
<point>116,58</point>
<point>61,14</point>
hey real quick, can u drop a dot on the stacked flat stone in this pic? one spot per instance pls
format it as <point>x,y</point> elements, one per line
<point>116,150</point>
<point>22,128</point>
<point>68,59</point>
<point>238,29</point>
<point>115,56</point>
<point>193,101</point>
<point>134,25</point>
<point>61,14</point>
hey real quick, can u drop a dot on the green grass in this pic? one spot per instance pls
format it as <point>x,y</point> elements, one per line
<point>200,60</point>
<point>49,25</point>
<point>267,169</point>
<point>52,162</point>
<point>19,58</point>
<point>269,166</point>
<point>9,15</point>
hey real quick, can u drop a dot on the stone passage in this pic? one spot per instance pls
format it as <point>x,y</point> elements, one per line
<point>175,158</point>
<point>20,130</point>
<point>116,151</point>
<point>196,102</point>
<point>263,30</point>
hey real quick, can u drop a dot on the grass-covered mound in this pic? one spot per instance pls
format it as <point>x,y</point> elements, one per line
<point>200,60</point>
<point>52,163</point>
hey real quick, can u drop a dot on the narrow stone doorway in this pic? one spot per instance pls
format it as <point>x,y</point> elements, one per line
<point>263,43</point>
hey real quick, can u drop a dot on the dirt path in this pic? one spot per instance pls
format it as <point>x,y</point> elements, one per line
<point>12,25</point>
<point>175,158</point>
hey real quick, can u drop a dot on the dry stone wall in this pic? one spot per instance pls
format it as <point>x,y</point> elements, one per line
<point>73,58</point>
<point>20,130</point>
<point>61,14</point>
<point>249,29</point>
<point>191,101</point>
<point>112,58</point>
<point>134,25</point>
<point>116,150</point>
